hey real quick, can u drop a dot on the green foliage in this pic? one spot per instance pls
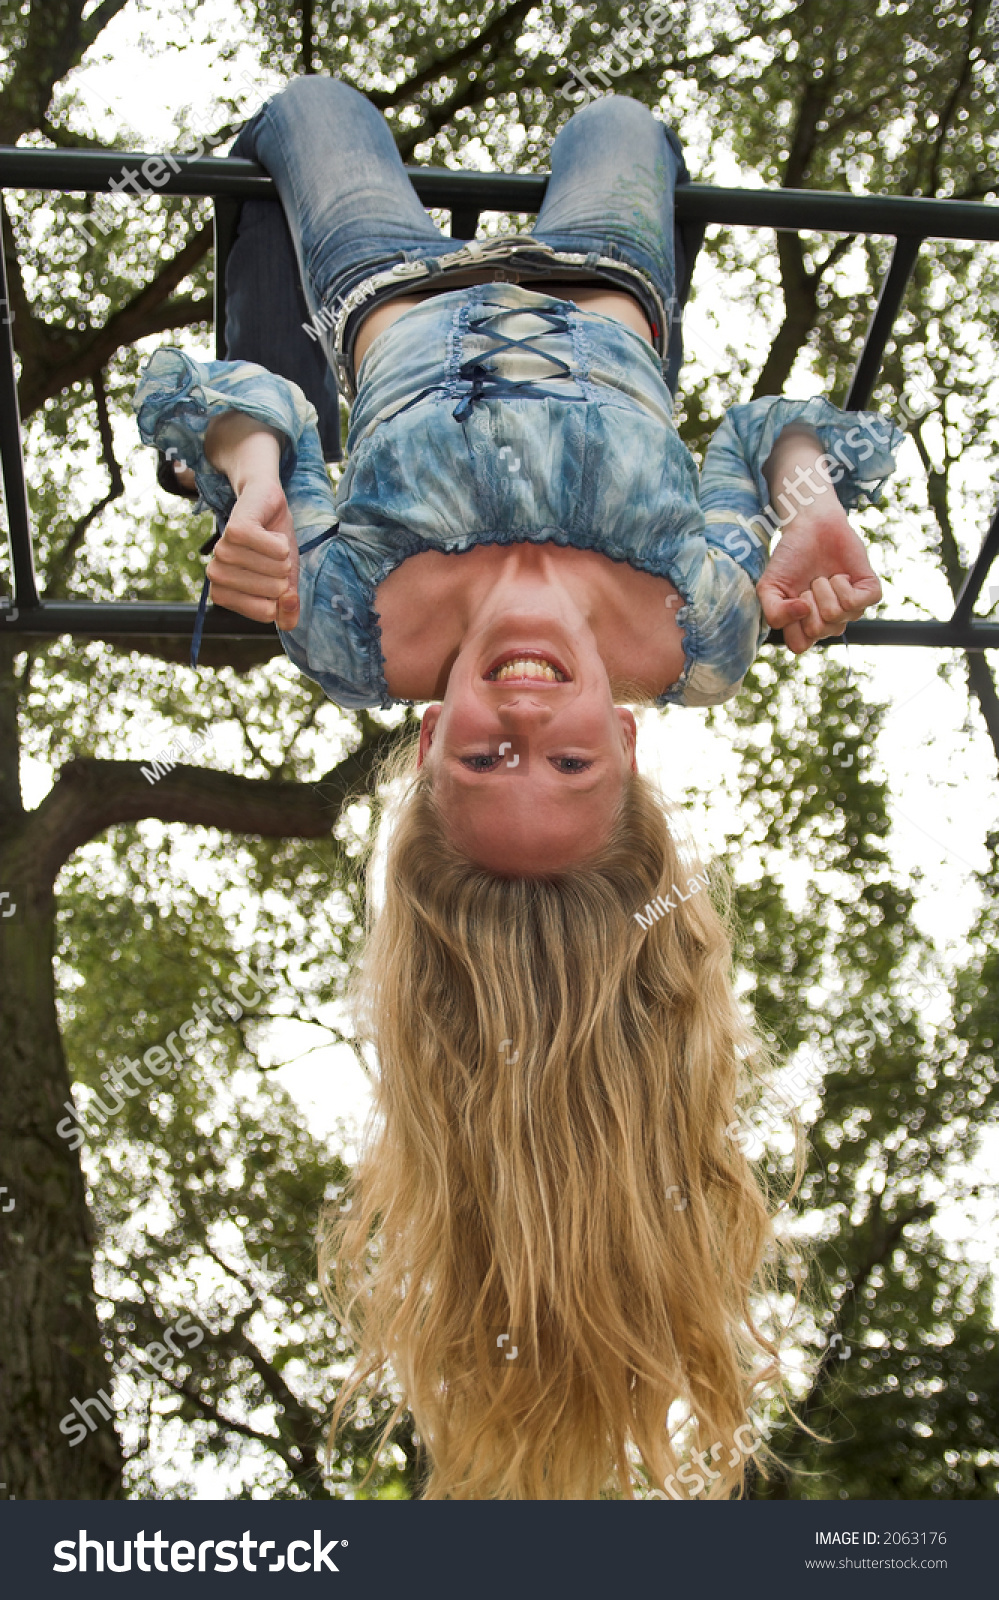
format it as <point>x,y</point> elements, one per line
<point>207,1187</point>
<point>905,1404</point>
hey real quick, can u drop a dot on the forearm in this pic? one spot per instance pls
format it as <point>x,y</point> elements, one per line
<point>819,577</point>
<point>244,449</point>
<point>797,479</point>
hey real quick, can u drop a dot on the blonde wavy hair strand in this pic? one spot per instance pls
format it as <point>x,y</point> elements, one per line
<point>549,1160</point>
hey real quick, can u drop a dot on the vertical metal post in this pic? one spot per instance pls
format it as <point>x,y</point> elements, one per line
<point>15,493</point>
<point>974,581</point>
<point>464,221</point>
<point>226,219</point>
<point>893,287</point>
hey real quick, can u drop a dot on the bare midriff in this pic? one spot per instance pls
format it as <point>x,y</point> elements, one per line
<point>606,302</point>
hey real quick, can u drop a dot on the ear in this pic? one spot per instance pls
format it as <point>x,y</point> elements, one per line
<point>630,727</point>
<point>428,726</point>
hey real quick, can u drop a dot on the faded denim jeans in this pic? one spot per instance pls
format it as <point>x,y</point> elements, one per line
<point>353,216</point>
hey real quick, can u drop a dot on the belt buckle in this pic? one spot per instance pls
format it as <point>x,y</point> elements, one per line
<point>343,375</point>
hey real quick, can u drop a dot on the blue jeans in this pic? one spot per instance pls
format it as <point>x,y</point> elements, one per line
<point>352,216</point>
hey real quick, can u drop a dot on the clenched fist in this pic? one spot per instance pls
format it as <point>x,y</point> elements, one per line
<point>254,566</point>
<point>818,579</point>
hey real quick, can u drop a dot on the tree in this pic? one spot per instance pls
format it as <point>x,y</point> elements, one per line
<point>207,1186</point>
<point>901,1398</point>
<point>111,948</point>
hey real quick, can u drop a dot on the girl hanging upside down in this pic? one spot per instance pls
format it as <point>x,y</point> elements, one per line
<point>567,1240</point>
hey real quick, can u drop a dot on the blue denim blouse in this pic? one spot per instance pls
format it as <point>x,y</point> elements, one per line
<point>497,415</point>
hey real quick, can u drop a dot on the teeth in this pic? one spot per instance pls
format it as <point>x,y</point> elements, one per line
<point>528,667</point>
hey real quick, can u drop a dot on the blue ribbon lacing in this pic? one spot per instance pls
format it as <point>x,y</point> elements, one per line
<point>484,382</point>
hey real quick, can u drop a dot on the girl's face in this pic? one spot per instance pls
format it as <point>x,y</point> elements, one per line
<point>529,754</point>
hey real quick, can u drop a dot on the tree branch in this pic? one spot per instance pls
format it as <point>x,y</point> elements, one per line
<point>248,739</point>
<point>241,655</point>
<point>980,679</point>
<point>62,562</point>
<point>91,795</point>
<point>295,1412</point>
<point>66,358</point>
<point>803,139</point>
<point>99,19</point>
<point>960,84</point>
<point>884,1238</point>
<point>55,41</point>
<point>69,138</point>
<point>799,289</point>
<point>461,55</point>
<point>271,1440</point>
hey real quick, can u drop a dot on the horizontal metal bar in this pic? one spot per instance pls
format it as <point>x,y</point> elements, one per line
<point>92,171</point>
<point>827,212</point>
<point>109,618</point>
<point>940,635</point>
<point>974,581</point>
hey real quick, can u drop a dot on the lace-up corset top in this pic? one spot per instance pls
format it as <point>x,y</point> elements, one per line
<point>495,415</point>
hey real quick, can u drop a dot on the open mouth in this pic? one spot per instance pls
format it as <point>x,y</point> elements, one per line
<point>527,666</point>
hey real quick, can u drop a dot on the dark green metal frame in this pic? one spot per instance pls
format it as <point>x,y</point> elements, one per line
<point>465,195</point>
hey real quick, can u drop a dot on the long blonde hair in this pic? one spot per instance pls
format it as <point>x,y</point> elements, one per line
<point>553,1239</point>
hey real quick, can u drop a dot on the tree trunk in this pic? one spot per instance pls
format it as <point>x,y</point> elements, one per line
<point>52,1350</point>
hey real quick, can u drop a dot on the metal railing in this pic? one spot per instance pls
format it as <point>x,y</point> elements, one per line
<point>466,195</point>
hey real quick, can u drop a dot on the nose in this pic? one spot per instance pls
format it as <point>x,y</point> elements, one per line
<point>525,710</point>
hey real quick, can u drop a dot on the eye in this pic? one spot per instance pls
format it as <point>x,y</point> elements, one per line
<point>570,763</point>
<point>480,763</point>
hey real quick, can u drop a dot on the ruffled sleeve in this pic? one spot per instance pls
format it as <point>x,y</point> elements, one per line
<point>176,399</point>
<point>859,454</point>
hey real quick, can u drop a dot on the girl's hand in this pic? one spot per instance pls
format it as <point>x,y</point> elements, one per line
<point>254,566</point>
<point>818,578</point>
